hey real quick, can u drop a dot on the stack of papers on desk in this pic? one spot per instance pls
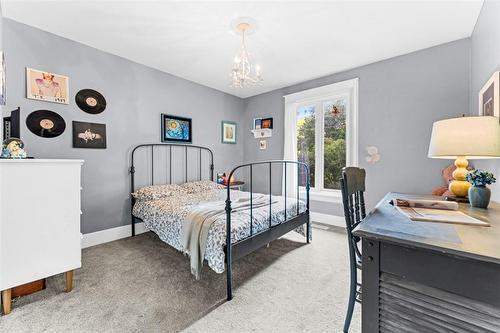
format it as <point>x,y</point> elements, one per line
<point>435,211</point>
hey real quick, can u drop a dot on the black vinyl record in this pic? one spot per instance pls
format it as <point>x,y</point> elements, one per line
<point>90,101</point>
<point>45,123</point>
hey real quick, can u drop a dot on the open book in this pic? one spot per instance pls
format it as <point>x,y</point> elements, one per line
<point>435,211</point>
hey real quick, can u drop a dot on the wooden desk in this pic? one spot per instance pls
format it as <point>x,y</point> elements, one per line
<point>430,277</point>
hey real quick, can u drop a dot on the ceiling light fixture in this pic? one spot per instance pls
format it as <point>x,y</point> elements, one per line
<point>243,73</point>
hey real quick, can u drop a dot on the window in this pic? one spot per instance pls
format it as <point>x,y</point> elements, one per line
<point>306,139</point>
<point>324,133</point>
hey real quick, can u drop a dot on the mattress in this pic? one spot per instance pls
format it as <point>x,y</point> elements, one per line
<point>166,217</point>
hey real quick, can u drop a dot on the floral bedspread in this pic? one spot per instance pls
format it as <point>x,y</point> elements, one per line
<point>166,216</point>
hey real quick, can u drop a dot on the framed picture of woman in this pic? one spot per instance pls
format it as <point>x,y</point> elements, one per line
<point>45,86</point>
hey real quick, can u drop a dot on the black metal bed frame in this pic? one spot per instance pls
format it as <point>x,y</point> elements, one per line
<point>254,241</point>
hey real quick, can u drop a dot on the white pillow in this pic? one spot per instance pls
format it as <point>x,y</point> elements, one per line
<point>201,186</point>
<point>154,192</point>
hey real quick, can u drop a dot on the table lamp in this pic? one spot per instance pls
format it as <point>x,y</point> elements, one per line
<point>461,139</point>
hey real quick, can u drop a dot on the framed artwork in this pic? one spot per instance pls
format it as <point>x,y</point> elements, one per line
<point>176,129</point>
<point>2,80</point>
<point>489,97</point>
<point>263,144</point>
<point>257,122</point>
<point>89,135</point>
<point>267,123</point>
<point>45,86</point>
<point>228,132</point>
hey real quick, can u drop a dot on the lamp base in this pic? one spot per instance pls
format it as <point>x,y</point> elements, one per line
<point>457,199</point>
<point>459,186</point>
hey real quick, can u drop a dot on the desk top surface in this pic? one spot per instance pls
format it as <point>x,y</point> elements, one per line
<point>480,243</point>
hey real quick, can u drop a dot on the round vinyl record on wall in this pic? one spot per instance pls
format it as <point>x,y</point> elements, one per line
<point>90,101</point>
<point>45,123</point>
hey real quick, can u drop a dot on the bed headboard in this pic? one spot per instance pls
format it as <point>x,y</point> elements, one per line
<point>188,157</point>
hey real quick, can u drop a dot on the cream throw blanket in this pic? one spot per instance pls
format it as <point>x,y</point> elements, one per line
<point>198,223</point>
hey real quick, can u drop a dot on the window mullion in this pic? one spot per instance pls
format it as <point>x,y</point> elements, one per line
<point>319,138</point>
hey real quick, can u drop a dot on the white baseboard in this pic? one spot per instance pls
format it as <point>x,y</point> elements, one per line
<point>334,220</point>
<point>109,235</point>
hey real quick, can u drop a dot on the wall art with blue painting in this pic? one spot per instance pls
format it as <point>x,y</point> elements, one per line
<point>176,129</point>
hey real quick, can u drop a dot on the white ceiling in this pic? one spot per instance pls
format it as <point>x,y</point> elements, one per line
<point>295,41</point>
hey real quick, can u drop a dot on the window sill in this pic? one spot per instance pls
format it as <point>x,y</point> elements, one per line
<point>324,196</point>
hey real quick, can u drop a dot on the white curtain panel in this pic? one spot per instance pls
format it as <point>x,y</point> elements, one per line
<point>290,150</point>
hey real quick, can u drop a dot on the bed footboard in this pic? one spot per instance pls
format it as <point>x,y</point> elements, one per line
<point>258,240</point>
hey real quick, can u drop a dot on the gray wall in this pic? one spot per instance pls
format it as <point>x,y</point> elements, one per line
<point>399,99</point>
<point>485,59</point>
<point>136,95</point>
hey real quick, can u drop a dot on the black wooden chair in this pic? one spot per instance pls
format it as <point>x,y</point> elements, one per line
<point>353,188</point>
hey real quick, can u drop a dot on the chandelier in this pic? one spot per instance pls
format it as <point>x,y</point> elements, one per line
<point>243,73</point>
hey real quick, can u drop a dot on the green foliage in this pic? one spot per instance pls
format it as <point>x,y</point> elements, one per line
<point>334,144</point>
<point>480,177</point>
<point>305,144</point>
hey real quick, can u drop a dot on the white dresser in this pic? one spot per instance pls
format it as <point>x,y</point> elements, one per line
<point>39,222</point>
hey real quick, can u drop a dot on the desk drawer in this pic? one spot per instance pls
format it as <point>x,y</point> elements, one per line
<point>406,306</point>
<point>474,279</point>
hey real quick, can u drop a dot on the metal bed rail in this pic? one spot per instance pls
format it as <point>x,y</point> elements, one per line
<point>255,241</point>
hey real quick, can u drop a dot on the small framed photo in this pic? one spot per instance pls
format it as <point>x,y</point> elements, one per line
<point>267,123</point>
<point>45,86</point>
<point>257,123</point>
<point>228,132</point>
<point>263,144</point>
<point>176,129</point>
<point>489,97</point>
<point>89,135</point>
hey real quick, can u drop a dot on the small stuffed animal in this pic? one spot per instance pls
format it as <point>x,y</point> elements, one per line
<point>447,174</point>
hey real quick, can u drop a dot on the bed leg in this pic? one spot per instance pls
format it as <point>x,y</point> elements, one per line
<point>133,225</point>
<point>229,283</point>
<point>308,230</point>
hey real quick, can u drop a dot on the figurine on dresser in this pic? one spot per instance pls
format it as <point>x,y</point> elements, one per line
<point>13,148</point>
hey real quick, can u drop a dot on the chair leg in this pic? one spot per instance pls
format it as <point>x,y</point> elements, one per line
<point>352,299</point>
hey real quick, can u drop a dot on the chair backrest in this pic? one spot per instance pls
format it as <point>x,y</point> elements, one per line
<point>353,188</point>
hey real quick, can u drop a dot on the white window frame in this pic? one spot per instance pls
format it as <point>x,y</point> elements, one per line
<point>317,96</point>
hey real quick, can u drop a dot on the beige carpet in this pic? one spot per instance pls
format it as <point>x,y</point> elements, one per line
<point>142,285</point>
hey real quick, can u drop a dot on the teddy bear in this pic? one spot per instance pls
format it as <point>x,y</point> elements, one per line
<point>447,174</point>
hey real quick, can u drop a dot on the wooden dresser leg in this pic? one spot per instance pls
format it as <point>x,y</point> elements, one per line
<point>69,281</point>
<point>6,301</point>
